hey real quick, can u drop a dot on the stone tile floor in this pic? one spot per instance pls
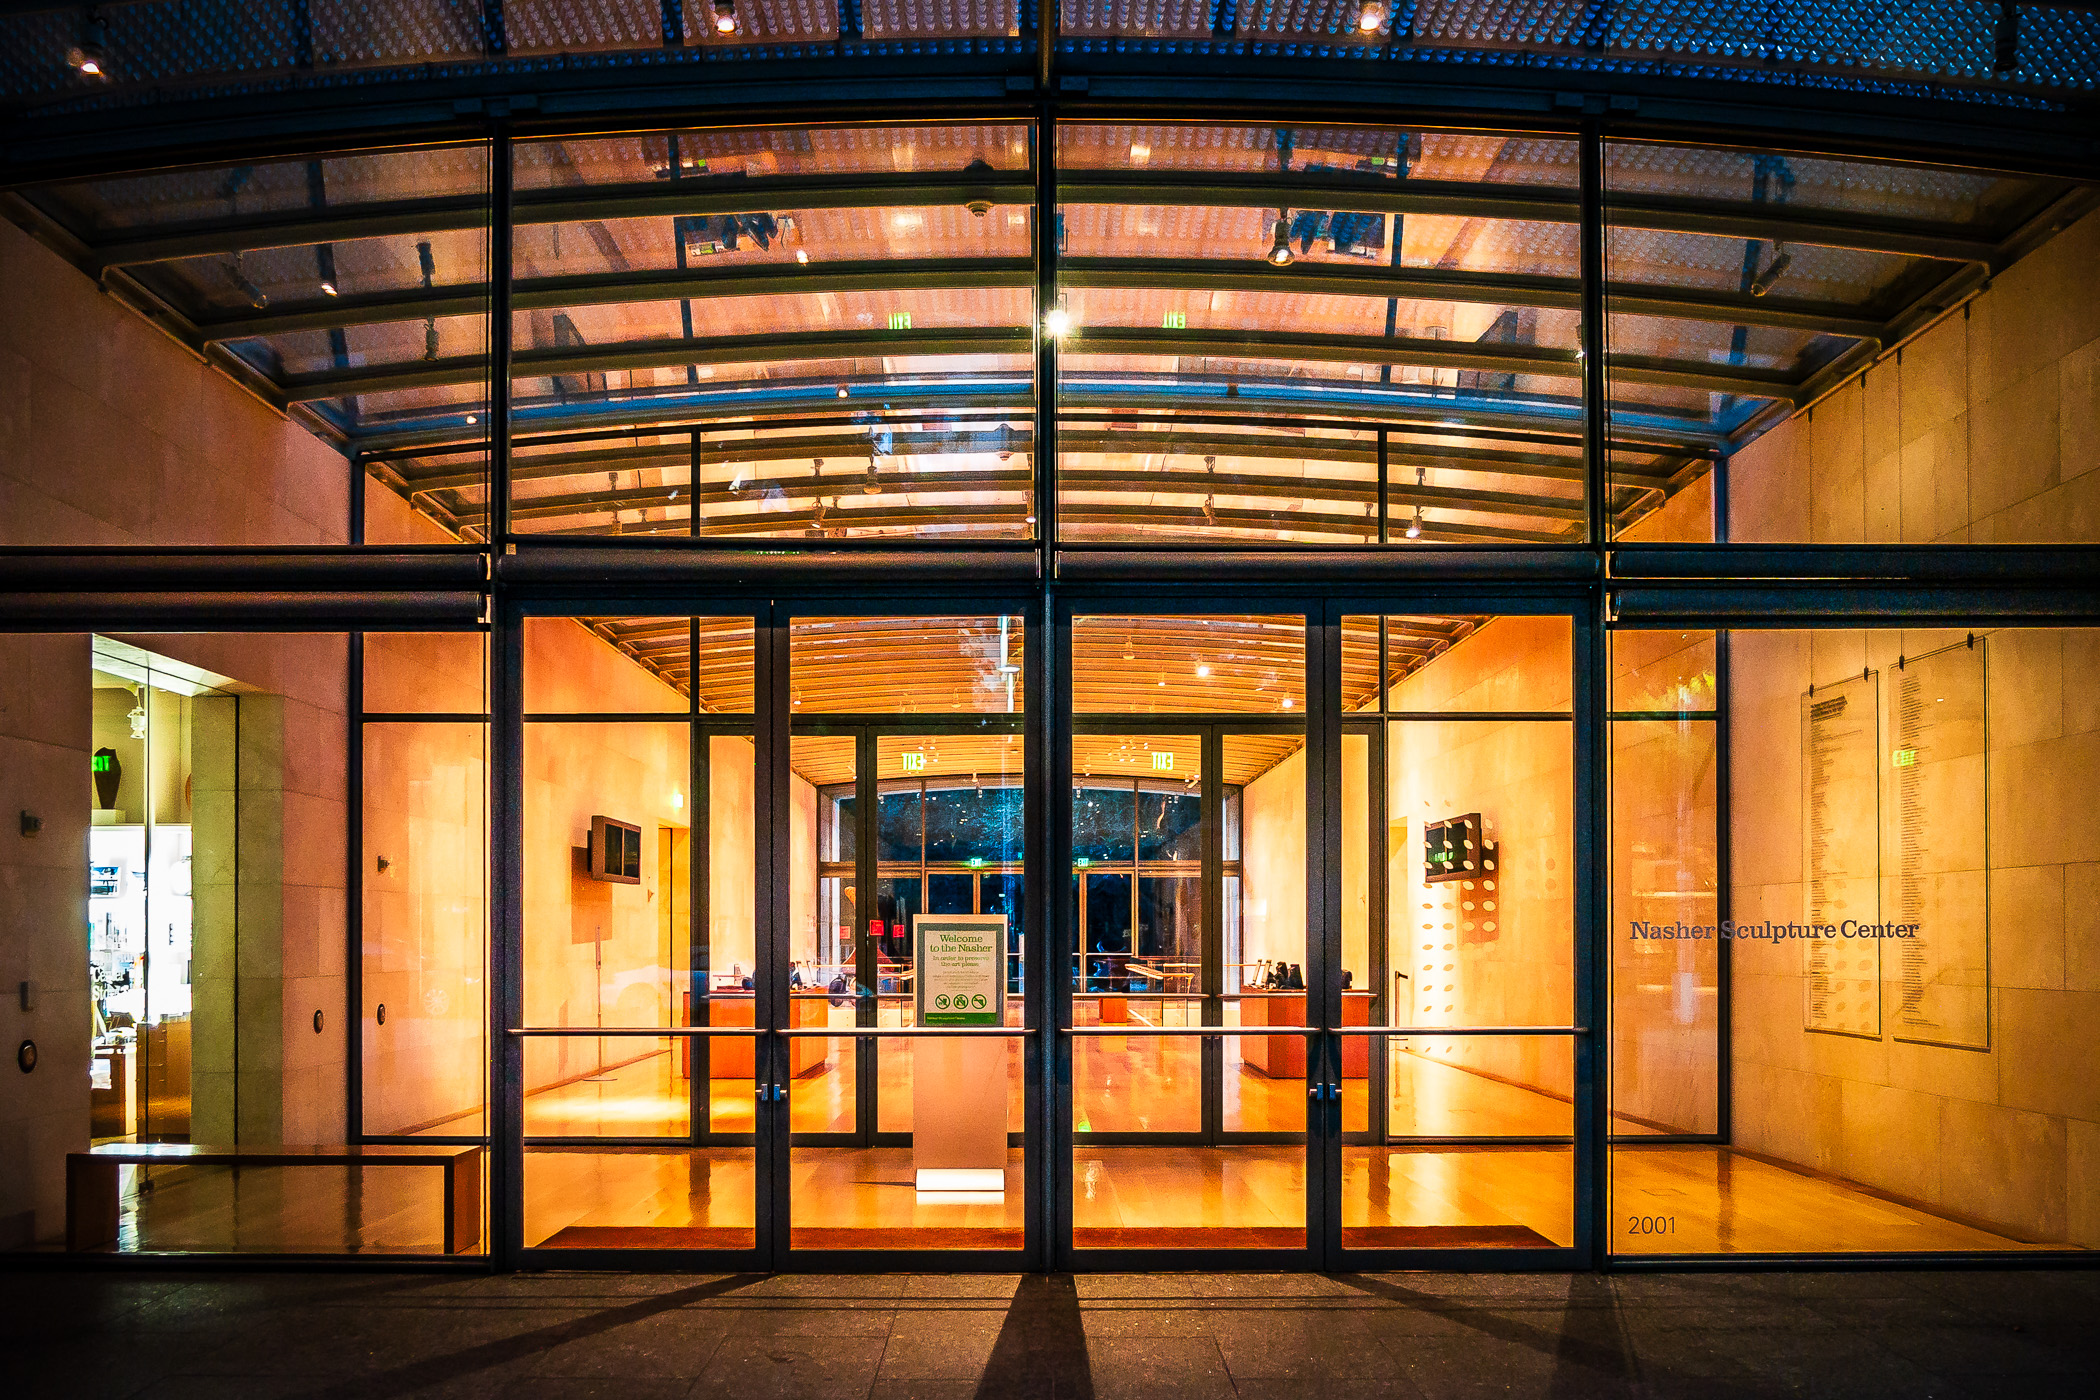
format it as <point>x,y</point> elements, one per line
<point>99,1336</point>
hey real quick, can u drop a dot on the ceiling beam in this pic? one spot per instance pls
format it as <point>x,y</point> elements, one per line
<point>1121,274</point>
<point>1016,340</point>
<point>1914,238</point>
<point>702,195</point>
<point>848,486</point>
<point>621,288</point>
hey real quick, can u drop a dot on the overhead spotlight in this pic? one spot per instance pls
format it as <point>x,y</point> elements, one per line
<point>873,485</point>
<point>329,289</point>
<point>1782,260</point>
<point>1371,17</point>
<point>725,16</point>
<point>1280,245</point>
<point>1414,526</point>
<point>90,57</point>
<point>842,391</point>
<point>257,297</point>
<point>801,255</point>
<point>1057,321</point>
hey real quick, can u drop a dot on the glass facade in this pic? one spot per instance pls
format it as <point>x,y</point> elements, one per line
<point>1053,691</point>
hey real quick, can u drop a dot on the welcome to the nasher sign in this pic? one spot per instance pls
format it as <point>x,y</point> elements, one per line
<point>1769,931</point>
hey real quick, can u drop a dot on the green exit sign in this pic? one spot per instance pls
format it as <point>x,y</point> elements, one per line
<point>1904,758</point>
<point>900,320</point>
<point>1175,321</point>
<point>99,763</point>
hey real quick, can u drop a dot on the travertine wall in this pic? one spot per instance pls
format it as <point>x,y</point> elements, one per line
<point>2009,1136</point>
<point>111,433</point>
<point>45,727</point>
<point>1984,430</point>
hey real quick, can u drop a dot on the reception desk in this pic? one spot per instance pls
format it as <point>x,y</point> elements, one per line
<point>1283,1056</point>
<point>731,1057</point>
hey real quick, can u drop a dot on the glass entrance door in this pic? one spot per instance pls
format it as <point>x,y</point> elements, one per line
<point>907,1062</point>
<point>1187,961</point>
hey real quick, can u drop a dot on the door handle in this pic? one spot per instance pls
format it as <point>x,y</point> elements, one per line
<point>772,1093</point>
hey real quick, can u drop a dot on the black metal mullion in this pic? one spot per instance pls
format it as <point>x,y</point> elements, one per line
<point>1323,899</point>
<point>1724,904</point>
<point>867,963</point>
<point>1038,945</point>
<point>354,889</point>
<point>773,809</point>
<point>1379,939</point>
<point>1596,416</point>
<point>1044,447</point>
<point>1058,937</point>
<point>699,927</point>
<point>1211,959</point>
<point>505,1105</point>
<point>501,272</point>
<point>1592,949</point>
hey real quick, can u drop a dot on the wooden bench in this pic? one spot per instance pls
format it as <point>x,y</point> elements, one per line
<point>92,1203</point>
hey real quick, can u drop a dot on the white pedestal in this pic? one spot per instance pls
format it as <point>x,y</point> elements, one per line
<point>958,1113</point>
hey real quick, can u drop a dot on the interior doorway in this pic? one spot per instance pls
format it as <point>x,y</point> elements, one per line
<point>162,859</point>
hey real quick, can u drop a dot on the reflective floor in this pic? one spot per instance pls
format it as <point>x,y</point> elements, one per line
<point>1665,1199</point>
<point>1124,1197</point>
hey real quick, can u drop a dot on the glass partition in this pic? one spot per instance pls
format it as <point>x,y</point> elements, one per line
<point>1787,313</point>
<point>793,332</point>
<point>1850,948</point>
<point>1458,927</point>
<point>640,1038</point>
<point>1317,335</point>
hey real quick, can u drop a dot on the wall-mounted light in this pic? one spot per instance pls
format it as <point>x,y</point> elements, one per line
<point>1280,245</point>
<point>725,16</point>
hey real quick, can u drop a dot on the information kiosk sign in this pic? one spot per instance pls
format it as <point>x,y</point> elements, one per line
<point>959,969</point>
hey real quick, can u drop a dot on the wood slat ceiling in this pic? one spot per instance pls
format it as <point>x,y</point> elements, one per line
<point>1121,665</point>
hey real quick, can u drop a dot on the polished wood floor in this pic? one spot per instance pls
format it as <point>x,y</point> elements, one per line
<point>1665,1199</point>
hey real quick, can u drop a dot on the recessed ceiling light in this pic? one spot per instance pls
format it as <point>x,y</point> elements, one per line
<point>725,16</point>
<point>1371,17</point>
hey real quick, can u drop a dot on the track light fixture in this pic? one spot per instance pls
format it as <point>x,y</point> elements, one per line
<point>1781,261</point>
<point>90,57</point>
<point>725,16</point>
<point>873,485</point>
<point>1414,526</point>
<point>1280,245</point>
<point>1370,17</point>
<point>1057,321</point>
